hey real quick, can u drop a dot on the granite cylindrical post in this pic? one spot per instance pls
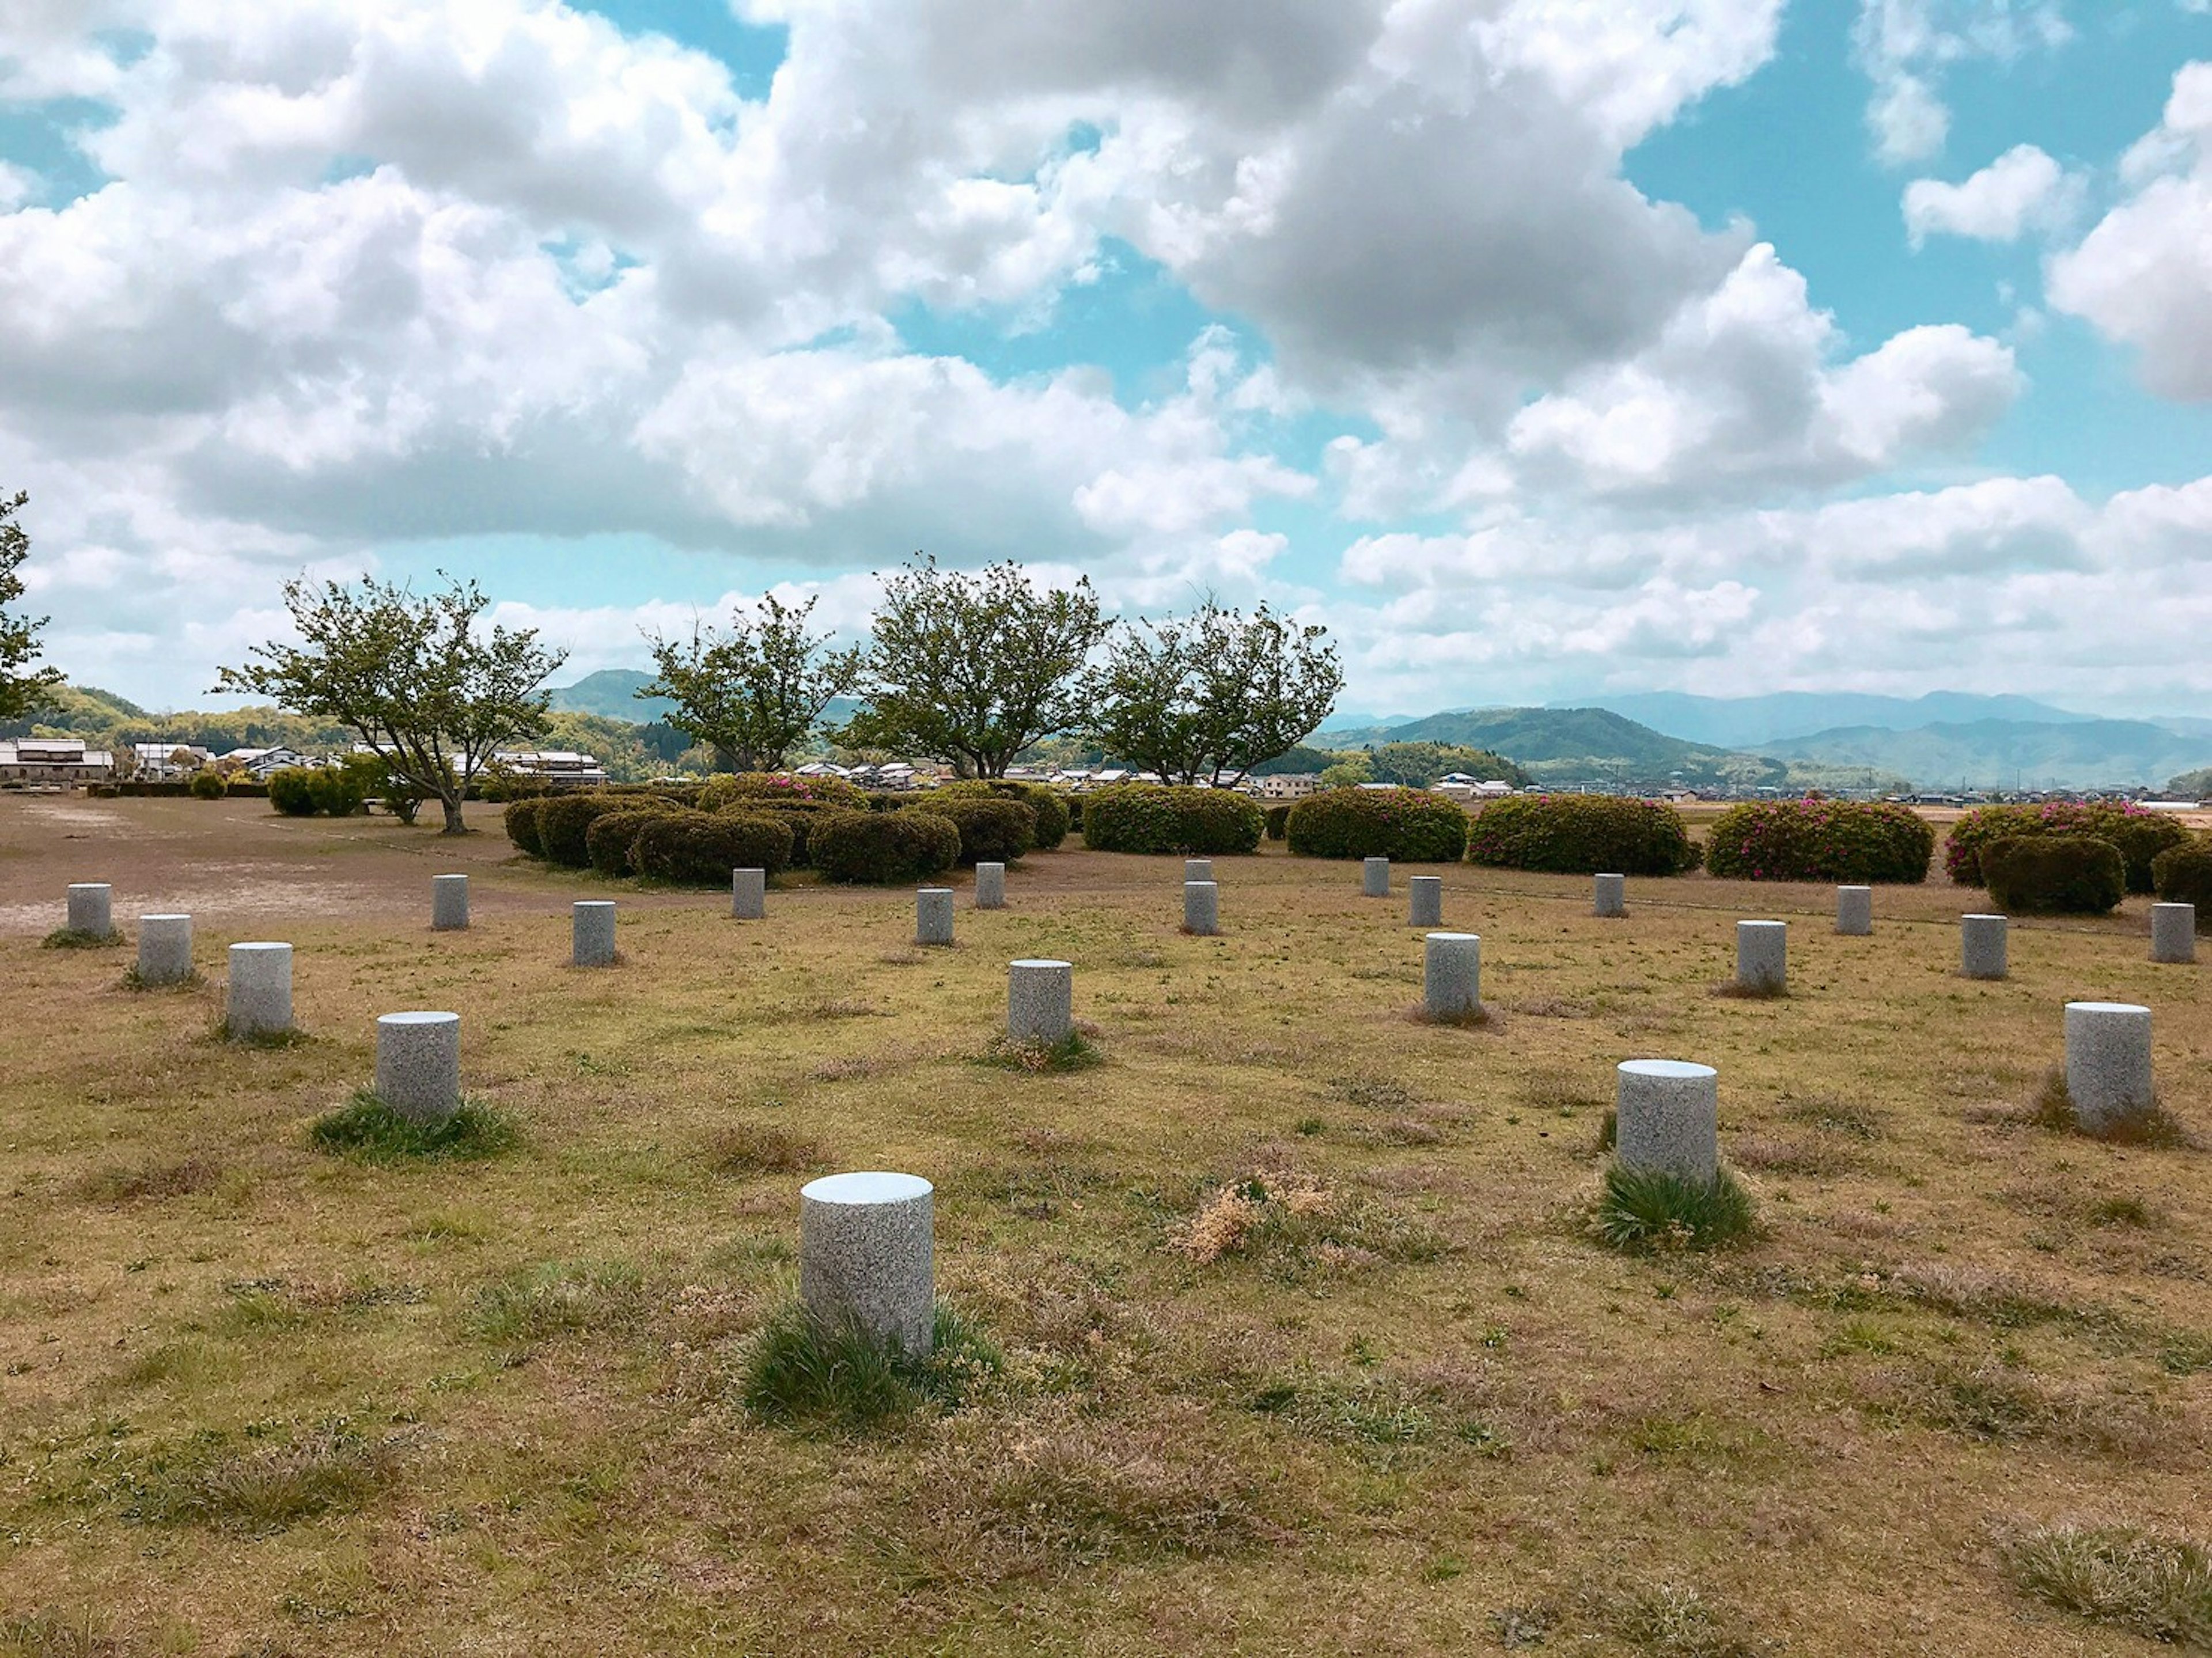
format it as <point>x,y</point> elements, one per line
<point>990,886</point>
<point>749,895</point>
<point>1197,868</point>
<point>1982,946</point>
<point>1201,908</point>
<point>864,1256</point>
<point>933,915</point>
<point>592,933</point>
<point>1040,1001</point>
<point>1375,878</point>
<point>1425,901</point>
<point>1451,976</point>
<point>418,1064</point>
<point>1854,911</point>
<point>90,909</point>
<point>2107,1062</point>
<point>1762,955</point>
<point>2173,933</point>
<point>1666,1117</point>
<point>165,949</point>
<point>1609,895</point>
<point>449,903</point>
<point>259,1000</point>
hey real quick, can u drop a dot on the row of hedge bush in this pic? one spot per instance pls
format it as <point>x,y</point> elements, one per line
<point>1413,826</point>
<point>2140,836</point>
<point>1583,835</point>
<point>1856,842</point>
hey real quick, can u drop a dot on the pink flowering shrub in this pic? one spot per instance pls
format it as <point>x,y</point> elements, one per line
<point>776,787</point>
<point>2140,835</point>
<point>1816,840</point>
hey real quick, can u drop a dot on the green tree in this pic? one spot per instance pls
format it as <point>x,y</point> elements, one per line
<point>1208,698</point>
<point>1353,768</point>
<point>22,689</point>
<point>1418,765</point>
<point>755,692</point>
<point>413,677</point>
<point>972,669</point>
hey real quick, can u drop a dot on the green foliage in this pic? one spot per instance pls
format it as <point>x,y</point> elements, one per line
<point>972,669</point>
<point>1408,825</point>
<point>257,1489</point>
<point>554,1297</point>
<point>700,848</point>
<point>1817,840</point>
<point>1279,822</point>
<point>2054,874</point>
<point>991,831</point>
<point>21,692</point>
<point>1348,772</point>
<point>1647,1209</point>
<point>800,816</point>
<point>1420,765</point>
<point>1300,761</point>
<point>292,792</point>
<point>1208,699</point>
<point>521,821</point>
<point>63,938</point>
<point>341,789</point>
<point>2183,875</point>
<point>413,677</point>
<point>882,848</point>
<point>836,1377</point>
<point>2159,1588</point>
<point>2140,835</point>
<point>2191,784</point>
<point>564,823</point>
<point>1050,805</point>
<point>1161,817</point>
<point>756,788</point>
<point>753,693</point>
<point>206,784</point>
<point>366,1130</point>
<point>1036,1057</point>
<point>1582,834</point>
<point>609,840</point>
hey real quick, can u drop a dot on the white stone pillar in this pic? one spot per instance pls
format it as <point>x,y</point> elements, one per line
<point>2173,933</point>
<point>1762,955</point>
<point>418,1064</point>
<point>1609,895</point>
<point>449,903</point>
<point>990,886</point>
<point>1854,911</point>
<point>1451,976</point>
<point>749,895</point>
<point>866,1256</point>
<point>165,949</point>
<point>1040,1001</point>
<point>1201,908</point>
<point>1375,878</point>
<point>1666,1117</point>
<point>258,999</point>
<point>592,933</point>
<point>2108,1074</point>
<point>1982,947</point>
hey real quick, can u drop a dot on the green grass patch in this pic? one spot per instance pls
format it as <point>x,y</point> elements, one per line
<point>63,938</point>
<point>259,1486</point>
<point>367,1130</point>
<point>2159,1588</point>
<point>1645,1210</point>
<point>132,982</point>
<point>1034,1056</point>
<point>555,1297</point>
<point>806,1372</point>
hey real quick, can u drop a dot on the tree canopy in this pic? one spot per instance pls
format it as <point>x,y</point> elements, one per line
<point>755,692</point>
<point>22,688</point>
<point>413,676</point>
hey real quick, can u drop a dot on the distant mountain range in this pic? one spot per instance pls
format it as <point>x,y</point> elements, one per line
<point>2010,753</point>
<point>1757,722</point>
<point>611,694</point>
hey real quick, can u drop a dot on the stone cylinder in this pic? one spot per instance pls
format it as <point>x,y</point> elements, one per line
<point>990,886</point>
<point>449,903</point>
<point>1201,908</point>
<point>1762,955</point>
<point>933,915</point>
<point>1854,911</point>
<point>1609,895</point>
<point>1197,868</point>
<point>1040,1001</point>
<point>2107,1062</point>
<point>2173,933</point>
<point>1425,901</point>
<point>1666,1117</point>
<point>864,1256</point>
<point>90,909</point>
<point>1982,946</point>
<point>165,949</point>
<point>592,933</point>
<point>1375,878</point>
<point>259,1000</point>
<point>1451,976</point>
<point>418,1064</point>
<point>749,895</point>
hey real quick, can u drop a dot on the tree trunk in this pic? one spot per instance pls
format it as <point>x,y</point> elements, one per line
<point>452,803</point>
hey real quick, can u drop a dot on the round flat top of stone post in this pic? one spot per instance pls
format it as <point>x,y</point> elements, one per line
<point>870,1185</point>
<point>418,1019</point>
<point>1979,916</point>
<point>258,947</point>
<point>1669,1070</point>
<point>1038,961</point>
<point>1450,938</point>
<point>932,892</point>
<point>2107,1008</point>
<point>595,903</point>
<point>1762,924</point>
<point>164,918</point>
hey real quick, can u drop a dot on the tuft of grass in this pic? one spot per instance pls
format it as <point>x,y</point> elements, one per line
<point>46,1635</point>
<point>1668,1620</point>
<point>64,938</point>
<point>1074,1052</point>
<point>1832,1115</point>
<point>367,1130</point>
<point>294,1037</point>
<point>2052,1108</point>
<point>1735,990</point>
<point>834,1376</point>
<point>1376,1414</point>
<point>740,1148</point>
<point>1649,1209</point>
<point>2159,1588</point>
<point>191,980</point>
<point>1478,1017</point>
<point>556,1296</point>
<point>255,1488</point>
<point>1294,1224</point>
<point>186,1178</point>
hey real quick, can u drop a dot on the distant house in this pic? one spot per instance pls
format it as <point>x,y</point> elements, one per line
<point>162,762</point>
<point>561,768</point>
<point>259,763</point>
<point>1285,785</point>
<point>62,761</point>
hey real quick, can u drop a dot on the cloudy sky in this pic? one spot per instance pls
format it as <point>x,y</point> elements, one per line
<point>1538,347</point>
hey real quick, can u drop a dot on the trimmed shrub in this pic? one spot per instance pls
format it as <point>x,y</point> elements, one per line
<point>1582,834</point>
<point>991,829</point>
<point>1411,826</point>
<point>565,820</point>
<point>2183,875</point>
<point>340,790</point>
<point>206,784</point>
<point>700,848</point>
<point>521,821</point>
<point>880,847</point>
<point>2062,874</point>
<point>778,788</point>
<point>1050,805</point>
<point>1159,817</point>
<point>292,792</point>
<point>608,840</point>
<point>800,816</point>
<point>1817,840</point>
<point>2140,835</point>
<point>1074,805</point>
<point>1279,822</point>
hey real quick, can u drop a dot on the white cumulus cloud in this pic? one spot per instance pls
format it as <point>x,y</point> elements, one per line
<point>2023,190</point>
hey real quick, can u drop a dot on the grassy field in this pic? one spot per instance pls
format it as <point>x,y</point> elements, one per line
<point>259,1399</point>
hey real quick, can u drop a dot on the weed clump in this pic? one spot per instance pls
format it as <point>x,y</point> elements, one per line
<point>556,1296</point>
<point>1645,1210</point>
<point>1296,1223</point>
<point>66,937</point>
<point>1036,1057</point>
<point>748,1148</point>
<point>131,980</point>
<point>2159,1588</point>
<point>2052,1109</point>
<point>1669,1620</point>
<point>255,1488</point>
<point>835,1375</point>
<point>367,1130</point>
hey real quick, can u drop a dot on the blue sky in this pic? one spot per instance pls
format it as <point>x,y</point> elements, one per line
<point>1538,350</point>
